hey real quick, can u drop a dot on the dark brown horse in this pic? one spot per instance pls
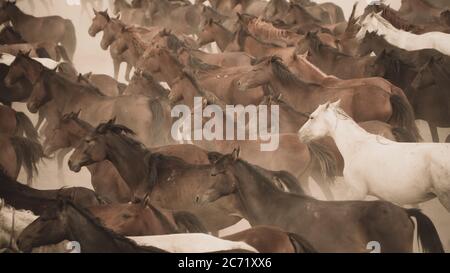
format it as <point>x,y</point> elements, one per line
<point>22,197</point>
<point>147,173</point>
<point>67,221</point>
<point>40,29</point>
<point>349,225</point>
<point>331,60</point>
<point>105,179</point>
<point>370,103</point>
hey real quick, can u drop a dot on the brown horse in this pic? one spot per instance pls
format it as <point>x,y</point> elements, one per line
<point>370,103</point>
<point>146,220</point>
<point>147,173</point>
<point>268,239</point>
<point>349,225</point>
<point>398,22</point>
<point>220,81</point>
<point>129,14</point>
<point>143,83</point>
<point>213,31</point>
<point>65,220</point>
<point>107,84</point>
<point>188,55</point>
<point>419,12</point>
<point>65,96</point>
<point>105,179</point>
<point>332,61</point>
<point>40,29</point>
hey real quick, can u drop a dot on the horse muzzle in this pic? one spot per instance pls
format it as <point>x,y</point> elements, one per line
<point>74,167</point>
<point>33,107</point>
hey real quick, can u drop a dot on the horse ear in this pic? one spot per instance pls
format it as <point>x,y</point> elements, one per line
<point>280,97</point>
<point>337,104</point>
<point>95,11</point>
<point>117,17</point>
<point>112,121</point>
<point>27,54</point>
<point>77,114</point>
<point>236,153</point>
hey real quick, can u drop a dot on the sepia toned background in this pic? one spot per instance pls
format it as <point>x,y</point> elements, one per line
<point>90,58</point>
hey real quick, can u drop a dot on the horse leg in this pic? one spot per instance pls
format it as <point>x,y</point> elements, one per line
<point>128,72</point>
<point>116,64</point>
<point>434,132</point>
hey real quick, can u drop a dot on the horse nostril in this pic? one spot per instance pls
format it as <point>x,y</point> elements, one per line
<point>197,199</point>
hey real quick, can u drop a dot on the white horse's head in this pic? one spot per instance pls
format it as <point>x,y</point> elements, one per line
<point>320,122</point>
<point>372,23</point>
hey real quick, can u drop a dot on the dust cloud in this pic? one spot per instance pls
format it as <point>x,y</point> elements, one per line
<point>90,57</point>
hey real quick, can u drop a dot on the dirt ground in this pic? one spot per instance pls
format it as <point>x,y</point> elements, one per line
<point>90,57</point>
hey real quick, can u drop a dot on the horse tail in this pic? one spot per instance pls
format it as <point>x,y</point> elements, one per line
<point>300,244</point>
<point>189,222</point>
<point>28,153</point>
<point>62,52</point>
<point>323,159</point>
<point>26,127</point>
<point>403,135</point>
<point>427,235</point>
<point>69,40</point>
<point>403,115</point>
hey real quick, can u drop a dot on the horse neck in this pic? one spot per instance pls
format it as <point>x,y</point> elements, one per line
<point>17,16</point>
<point>172,70</point>
<point>347,134</point>
<point>253,193</point>
<point>128,158</point>
<point>90,235</point>
<point>222,36</point>
<point>316,74</point>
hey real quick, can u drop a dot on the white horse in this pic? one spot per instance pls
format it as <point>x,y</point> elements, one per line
<point>402,173</point>
<point>374,22</point>
<point>191,243</point>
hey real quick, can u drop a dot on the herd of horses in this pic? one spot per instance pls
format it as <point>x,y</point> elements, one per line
<point>349,93</point>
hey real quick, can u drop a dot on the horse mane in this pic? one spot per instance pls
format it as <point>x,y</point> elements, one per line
<point>257,174</point>
<point>136,39</point>
<point>74,117</point>
<point>392,16</point>
<point>243,33</point>
<point>153,82</point>
<point>65,81</point>
<point>284,74</point>
<point>317,45</point>
<point>96,222</point>
<point>173,42</point>
<point>265,28</point>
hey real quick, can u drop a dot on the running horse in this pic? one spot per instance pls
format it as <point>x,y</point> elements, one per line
<point>425,165</point>
<point>40,29</point>
<point>349,225</point>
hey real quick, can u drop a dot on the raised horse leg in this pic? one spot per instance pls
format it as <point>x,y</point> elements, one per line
<point>434,132</point>
<point>116,64</point>
<point>128,72</point>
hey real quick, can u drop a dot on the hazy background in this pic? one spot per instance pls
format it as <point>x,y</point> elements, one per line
<point>89,57</point>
